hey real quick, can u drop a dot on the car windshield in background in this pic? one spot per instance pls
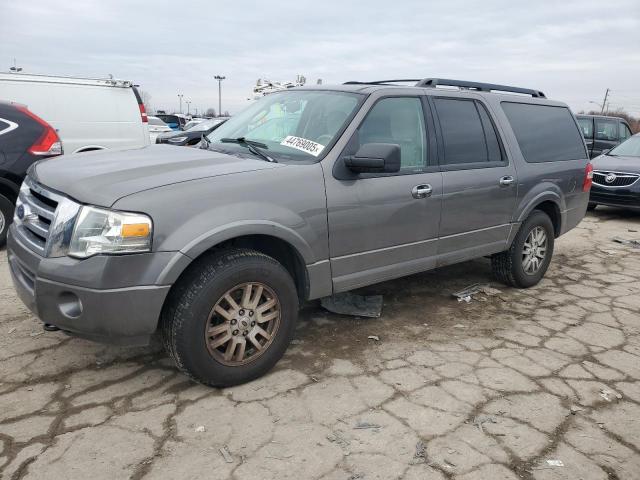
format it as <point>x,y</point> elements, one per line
<point>156,121</point>
<point>629,148</point>
<point>204,126</point>
<point>169,119</point>
<point>295,125</point>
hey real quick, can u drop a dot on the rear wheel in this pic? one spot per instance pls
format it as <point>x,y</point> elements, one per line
<point>231,318</point>
<point>528,258</point>
<point>6,217</point>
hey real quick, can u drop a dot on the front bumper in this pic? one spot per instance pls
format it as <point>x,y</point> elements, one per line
<point>623,197</point>
<point>103,298</point>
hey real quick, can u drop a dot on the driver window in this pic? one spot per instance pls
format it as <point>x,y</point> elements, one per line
<point>399,121</point>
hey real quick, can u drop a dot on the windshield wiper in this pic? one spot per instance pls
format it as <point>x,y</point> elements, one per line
<point>254,147</point>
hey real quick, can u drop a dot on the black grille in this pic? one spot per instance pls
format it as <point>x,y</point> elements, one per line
<point>616,179</point>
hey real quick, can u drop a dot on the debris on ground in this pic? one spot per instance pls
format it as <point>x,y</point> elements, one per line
<point>200,429</point>
<point>466,294</point>
<point>11,330</point>
<point>224,451</point>
<point>373,337</point>
<point>459,325</point>
<point>555,463</point>
<point>478,421</point>
<point>421,454</point>
<point>630,243</point>
<point>366,425</point>
<point>354,305</point>
<point>607,395</point>
<point>575,409</point>
<point>338,438</point>
<point>36,334</point>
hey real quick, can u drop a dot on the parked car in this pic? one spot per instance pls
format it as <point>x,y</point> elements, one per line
<point>176,122</point>
<point>193,135</point>
<point>157,127</point>
<point>24,138</point>
<point>602,133</point>
<point>88,114</point>
<point>193,122</point>
<point>215,248</point>
<point>615,176</point>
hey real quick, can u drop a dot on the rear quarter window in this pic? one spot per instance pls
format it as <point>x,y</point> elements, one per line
<point>545,133</point>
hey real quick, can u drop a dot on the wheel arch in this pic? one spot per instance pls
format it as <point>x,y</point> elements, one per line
<point>549,202</point>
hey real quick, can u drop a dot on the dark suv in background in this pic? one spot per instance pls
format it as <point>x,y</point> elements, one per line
<point>24,138</point>
<point>306,193</point>
<point>602,133</point>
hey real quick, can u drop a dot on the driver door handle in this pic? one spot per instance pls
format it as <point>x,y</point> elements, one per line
<point>506,180</point>
<point>421,191</point>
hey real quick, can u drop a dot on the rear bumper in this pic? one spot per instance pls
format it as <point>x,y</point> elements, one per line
<point>122,315</point>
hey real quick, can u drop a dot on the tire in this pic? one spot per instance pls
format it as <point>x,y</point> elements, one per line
<point>6,218</point>
<point>508,266</point>
<point>189,312</point>
<point>591,206</point>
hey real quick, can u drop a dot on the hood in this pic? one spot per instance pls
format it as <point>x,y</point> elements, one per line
<point>610,163</point>
<point>101,178</point>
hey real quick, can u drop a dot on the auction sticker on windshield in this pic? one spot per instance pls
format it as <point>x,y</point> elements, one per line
<point>303,144</point>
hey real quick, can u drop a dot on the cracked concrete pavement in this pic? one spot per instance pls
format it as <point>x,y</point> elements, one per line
<point>491,389</point>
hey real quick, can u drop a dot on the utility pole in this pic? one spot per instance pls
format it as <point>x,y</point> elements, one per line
<point>180,98</point>
<point>188,102</point>
<point>219,78</point>
<point>604,102</point>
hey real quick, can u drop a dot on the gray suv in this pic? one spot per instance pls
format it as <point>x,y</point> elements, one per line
<point>306,193</point>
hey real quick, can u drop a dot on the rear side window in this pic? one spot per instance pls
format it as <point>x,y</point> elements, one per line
<point>606,129</point>
<point>545,133</point>
<point>586,127</point>
<point>624,132</point>
<point>467,132</point>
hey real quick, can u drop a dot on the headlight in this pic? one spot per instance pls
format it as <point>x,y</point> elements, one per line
<point>105,231</point>
<point>177,139</point>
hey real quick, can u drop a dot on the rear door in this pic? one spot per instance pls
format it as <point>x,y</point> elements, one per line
<point>606,135</point>
<point>586,128</point>
<point>479,184</point>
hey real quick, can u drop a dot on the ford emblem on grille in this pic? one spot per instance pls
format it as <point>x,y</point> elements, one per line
<point>610,178</point>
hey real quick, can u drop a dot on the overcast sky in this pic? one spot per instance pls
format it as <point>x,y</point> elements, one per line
<point>571,50</point>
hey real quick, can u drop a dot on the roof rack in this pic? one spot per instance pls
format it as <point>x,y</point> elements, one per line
<point>462,84</point>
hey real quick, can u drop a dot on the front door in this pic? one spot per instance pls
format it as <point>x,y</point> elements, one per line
<point>383,226</point>
<point>479,184</point>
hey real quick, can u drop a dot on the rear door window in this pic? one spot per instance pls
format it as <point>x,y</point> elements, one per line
<point>607,129</point>
<point>624,132</point>
<point>586,127</point>
<point>468,134</point>
<point>545,133</point>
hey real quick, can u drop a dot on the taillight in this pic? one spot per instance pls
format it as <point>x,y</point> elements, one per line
<point>143,113</point>
<point>48,144</point>
<point>588,177</point>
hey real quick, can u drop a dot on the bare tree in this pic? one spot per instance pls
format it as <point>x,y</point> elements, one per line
<point>226,113</point>
<point>211,112</point>
<point>146,100</point>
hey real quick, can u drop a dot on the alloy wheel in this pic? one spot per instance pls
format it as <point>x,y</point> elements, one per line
<point>242,324</point>
<point>534,250</point>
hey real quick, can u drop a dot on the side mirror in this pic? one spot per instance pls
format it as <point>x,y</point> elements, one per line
<point>375,158</point>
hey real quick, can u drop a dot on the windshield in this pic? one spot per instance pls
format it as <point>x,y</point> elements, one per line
<point>294,125</point>
<point>170,119</point>
<point>629,148</point>
<point>156,121</point>
<point>206,125</point>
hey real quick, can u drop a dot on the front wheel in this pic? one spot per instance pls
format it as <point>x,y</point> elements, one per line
<point>528,258</point>
<point>230,318</point>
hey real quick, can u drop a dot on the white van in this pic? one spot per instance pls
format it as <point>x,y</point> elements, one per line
<point>88,114</point>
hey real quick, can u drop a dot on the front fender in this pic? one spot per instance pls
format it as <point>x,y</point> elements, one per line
<point>226,232</point>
